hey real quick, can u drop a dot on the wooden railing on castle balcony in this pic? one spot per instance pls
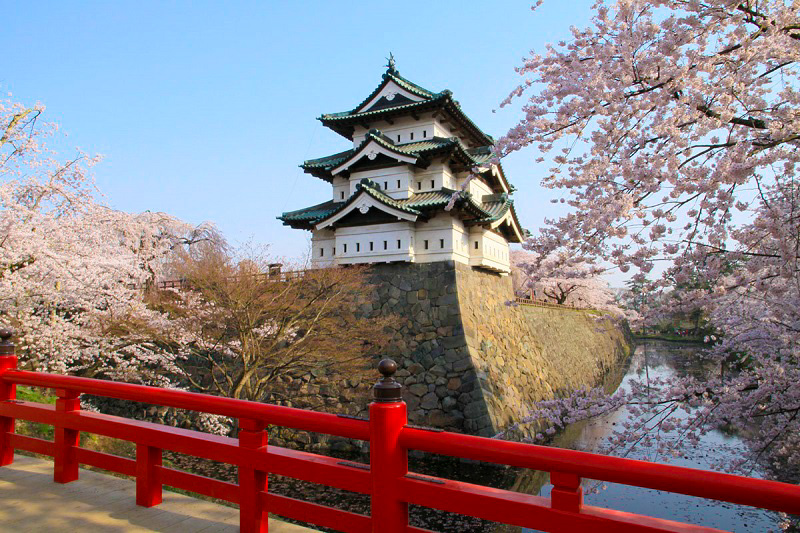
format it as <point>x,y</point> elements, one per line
<point>385,479</point>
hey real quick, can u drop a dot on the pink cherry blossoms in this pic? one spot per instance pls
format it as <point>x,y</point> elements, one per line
<point>674,132</point>
<point>71,269</point>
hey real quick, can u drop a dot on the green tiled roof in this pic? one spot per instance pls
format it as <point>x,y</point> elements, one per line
<point>310,214</point>
<point>496,206</point>
<point>323,166</point>
<point>343,122</point>
<point>328,162</point>
<point>492,208</point>
<point>393,75</point>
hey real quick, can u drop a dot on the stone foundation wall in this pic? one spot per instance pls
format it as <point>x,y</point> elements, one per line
<point>472,361</point>
<point>469,359</point>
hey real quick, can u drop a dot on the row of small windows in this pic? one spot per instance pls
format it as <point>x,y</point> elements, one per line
<point>411,136</point>
<point>426,244</point>
<point>441,243</point>
<point>358,247</point>
<point>386,187</point>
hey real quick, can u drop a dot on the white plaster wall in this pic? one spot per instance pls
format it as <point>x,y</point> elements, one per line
<point>478,188</point>
<point>433,178</point>
<point>402,128</point>
<point>492,250</point>
<point>424,128</point>
<point>441,130</point>
<point>444,235</point>
<point>356,241</point>
<point>341,189</point>
<point>396,180</point>
<point>322,247</point>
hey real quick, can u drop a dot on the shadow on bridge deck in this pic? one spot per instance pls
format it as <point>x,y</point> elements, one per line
<point>31,501</point>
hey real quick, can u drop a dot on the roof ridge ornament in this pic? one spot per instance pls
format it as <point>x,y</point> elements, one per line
<point>391,65</point>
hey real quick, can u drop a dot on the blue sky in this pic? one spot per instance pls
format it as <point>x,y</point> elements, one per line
<point>205,109</point>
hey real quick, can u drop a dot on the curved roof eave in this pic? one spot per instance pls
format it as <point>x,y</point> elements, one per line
<point>376,199</point>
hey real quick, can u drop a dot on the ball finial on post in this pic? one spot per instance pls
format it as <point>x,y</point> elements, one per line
<point>6,346</point>
<point>387,389</point>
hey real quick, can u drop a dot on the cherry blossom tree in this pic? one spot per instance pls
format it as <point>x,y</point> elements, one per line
<point>564,281</point>
<point>673,129</point>
<point>72,269</point>
<point>243,333</point>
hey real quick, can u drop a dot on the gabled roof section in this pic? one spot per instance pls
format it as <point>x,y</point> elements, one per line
<point>304,218</point>
<point>495,211</point>
<point>367,196</point>
<point>419,205</point>
<point>397,96</point>
<point>391,86</point>
<point>418,153</point>
<point>374,144</point>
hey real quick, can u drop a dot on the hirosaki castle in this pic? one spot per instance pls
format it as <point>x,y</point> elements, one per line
<point>391,193</point>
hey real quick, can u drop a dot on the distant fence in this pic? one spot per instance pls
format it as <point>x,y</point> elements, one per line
<point>550,305</point>
<point>271,276</point>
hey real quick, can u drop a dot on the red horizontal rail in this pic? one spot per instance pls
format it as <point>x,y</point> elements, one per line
<point>271,414</point>
<point>530,511</point>
<point>762,493</point>
<point>386,479</point>
<point>281,461</point>
<point>323,516</point>
<point>214,488</point>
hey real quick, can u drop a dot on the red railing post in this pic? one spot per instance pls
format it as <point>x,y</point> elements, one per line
<point>388,460</point>
<point>8,391</point>
<point>66,462</point>
<point>253,516</point>
<point>148,475</point>
<point>567,494</point>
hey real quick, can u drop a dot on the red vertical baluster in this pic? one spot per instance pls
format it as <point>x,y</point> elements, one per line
<point>388,460</point>
<point>66,464</point>
<point>8,361</point>
<point>252,513</point>
<point>148,475</point>
<point>567,494</point>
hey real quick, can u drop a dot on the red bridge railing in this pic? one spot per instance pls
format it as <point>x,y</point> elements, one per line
<point>385,479</point>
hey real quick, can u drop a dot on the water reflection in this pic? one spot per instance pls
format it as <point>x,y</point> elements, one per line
<point>659,360</point>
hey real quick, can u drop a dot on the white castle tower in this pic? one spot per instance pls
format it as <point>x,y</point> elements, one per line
<point>412,150</point>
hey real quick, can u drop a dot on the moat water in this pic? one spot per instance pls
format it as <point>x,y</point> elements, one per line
<point>649,359</point>
<point>663,359</point>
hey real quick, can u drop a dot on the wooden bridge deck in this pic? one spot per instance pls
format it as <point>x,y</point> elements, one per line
<point>31,502</point>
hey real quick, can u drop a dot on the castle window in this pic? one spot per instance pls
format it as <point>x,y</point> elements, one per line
<point>426,245</point>
<point>342,195</point>
<point>321,252</point>
<point>370,246</point>
<point>385,185</point>
<point>334,250</point>
<point>398,244</point>
<point>345,248</point>
<point>433,184</point>
<point>398,138</point>
<point>358,247</point>
<point>419,185</point>
<point>412,135</point>
<point>385,245</point>
<point>398,184</point>
<point>476,245</point>
<point>424,134</point>
<point>441,243</point>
